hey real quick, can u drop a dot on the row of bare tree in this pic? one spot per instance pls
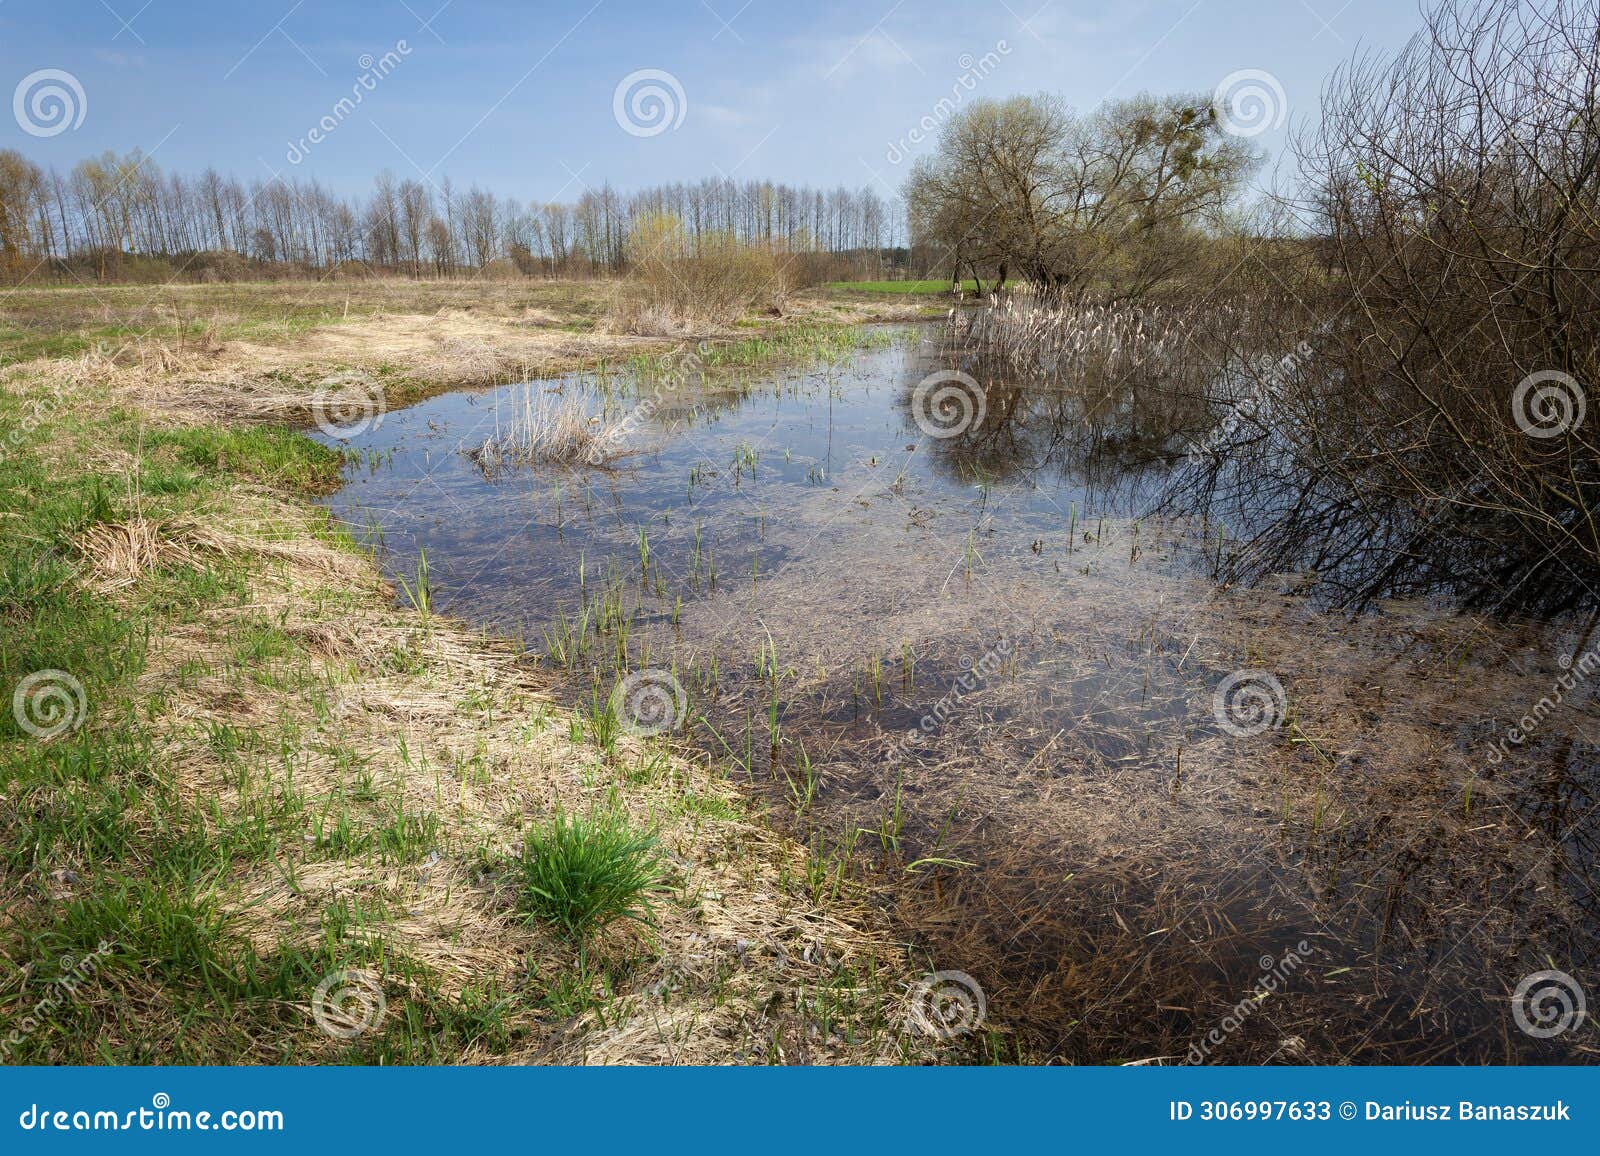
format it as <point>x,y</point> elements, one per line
<point>111,209</point>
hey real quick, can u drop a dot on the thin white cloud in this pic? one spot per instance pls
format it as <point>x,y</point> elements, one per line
<point>723,117</point>
<point>119,59</point>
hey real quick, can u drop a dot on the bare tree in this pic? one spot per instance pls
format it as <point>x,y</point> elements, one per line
<point>111,208</point>
<point>416,209</point>
<point>21,196</point>
<point>1109,202</point>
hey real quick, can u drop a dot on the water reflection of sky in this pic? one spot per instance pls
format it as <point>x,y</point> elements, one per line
<point>821,439</point>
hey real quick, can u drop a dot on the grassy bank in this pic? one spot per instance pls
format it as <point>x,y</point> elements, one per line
<point>255,811</point>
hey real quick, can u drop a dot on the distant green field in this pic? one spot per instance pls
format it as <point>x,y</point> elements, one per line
<point>901,286</point>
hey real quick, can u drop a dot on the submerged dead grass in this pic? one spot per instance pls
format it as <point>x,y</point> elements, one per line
<point>1078,832</point>
<point>1113,867</point>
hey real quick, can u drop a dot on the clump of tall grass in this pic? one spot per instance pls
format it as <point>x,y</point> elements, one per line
<point>582,873</point>
<point>677,284</point>
<point>542,427</point>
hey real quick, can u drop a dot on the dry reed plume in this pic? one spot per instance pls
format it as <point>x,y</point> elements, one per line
<point>543,428</point>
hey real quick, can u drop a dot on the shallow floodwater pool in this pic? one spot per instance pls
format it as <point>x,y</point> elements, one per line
<point>950,647</point>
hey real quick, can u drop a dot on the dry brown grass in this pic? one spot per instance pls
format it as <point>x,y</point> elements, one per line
<point>267,349</point>
<point>439,717</point>
<point>116,555</point>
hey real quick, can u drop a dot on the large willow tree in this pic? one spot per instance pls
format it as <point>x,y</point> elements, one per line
<point>1113,202</point>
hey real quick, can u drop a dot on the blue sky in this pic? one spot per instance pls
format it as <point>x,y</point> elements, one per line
<point>519,98</point>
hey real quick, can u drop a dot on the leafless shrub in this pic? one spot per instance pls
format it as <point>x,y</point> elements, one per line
<point>678,285</point>
<point>1456,189</point>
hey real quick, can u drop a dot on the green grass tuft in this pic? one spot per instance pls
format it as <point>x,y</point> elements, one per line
<point>583,873</point>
